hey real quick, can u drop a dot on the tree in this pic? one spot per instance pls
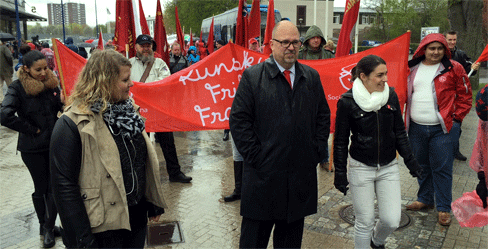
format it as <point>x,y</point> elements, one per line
<point>192,13</point>
<point>470,19</point>
<point>396,17</point>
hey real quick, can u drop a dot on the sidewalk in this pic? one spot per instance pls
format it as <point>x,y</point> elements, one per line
<point>207,222</point>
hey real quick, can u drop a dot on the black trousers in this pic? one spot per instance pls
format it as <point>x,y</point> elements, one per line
<point>167,142</point>
<point>38,165</point>
<point>255,233</point>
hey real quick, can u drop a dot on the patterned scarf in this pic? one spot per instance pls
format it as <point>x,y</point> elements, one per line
<point>123,116</point>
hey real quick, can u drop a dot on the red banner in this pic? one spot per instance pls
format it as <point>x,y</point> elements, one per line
<point>200,97</point>
<point>160,35</point>
<point>142,20</point>
<point>350,16</point>
<point>254,21</point>
<point>68,64</point>
<point>270,23</point>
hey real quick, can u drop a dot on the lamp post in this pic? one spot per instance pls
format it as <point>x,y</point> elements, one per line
<point>62,16</point>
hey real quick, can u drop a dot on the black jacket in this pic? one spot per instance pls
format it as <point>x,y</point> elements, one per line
<point>376,136</point>
<point>27,113</point>
<point>282,135</point>
<point>461,57</point>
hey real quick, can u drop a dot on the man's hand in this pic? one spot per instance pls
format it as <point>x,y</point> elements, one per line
<point>475,66</point>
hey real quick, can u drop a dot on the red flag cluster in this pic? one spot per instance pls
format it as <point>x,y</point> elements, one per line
<point>160,35</point>
<point>344,44</point>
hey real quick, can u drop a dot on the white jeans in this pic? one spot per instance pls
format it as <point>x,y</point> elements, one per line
<point>364,182</point>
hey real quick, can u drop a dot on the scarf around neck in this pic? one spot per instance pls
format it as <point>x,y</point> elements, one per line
<point>369,102</point>
<point>32,86</point>
<point>121,116</point>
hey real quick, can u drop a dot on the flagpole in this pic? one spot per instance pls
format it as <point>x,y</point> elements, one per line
<point>314,12</point>
<point>327,19</point>
<point>96,17</point>
<point>356,35</point>
<point>60,68</point>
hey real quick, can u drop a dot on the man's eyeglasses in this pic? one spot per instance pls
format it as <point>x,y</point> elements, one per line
<point>286,43</point>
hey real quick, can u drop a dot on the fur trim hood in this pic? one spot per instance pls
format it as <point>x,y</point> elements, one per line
<point>34,87</point>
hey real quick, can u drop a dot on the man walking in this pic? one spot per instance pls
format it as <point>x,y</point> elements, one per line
<point>439,97</point>
<point>313,46</point>
<point>176,61</point>
<point>146,68</point>
<point>280,122</point>
<point>6,68</point>
<point>463,59</point>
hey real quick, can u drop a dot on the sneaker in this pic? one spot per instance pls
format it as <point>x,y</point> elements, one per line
<point>373,245</point>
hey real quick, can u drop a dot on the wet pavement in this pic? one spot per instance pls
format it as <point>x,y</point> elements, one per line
<point>208,222</point>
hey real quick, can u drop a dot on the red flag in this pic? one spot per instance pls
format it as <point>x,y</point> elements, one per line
<point>241,21</point>
<point>484,55</point>
<point>204,109</point>
<point>100,41</point>
<point>68,64</point>
<point>191,38</point>
<point>179,33</point>
<point>210,40</point>
<point>160,35</point>
<point>201,35</point>
<point>270,23</point>
<point>350,16</point>
<point>142,18</point>
<point>254,27</point>
<point>125,32</point>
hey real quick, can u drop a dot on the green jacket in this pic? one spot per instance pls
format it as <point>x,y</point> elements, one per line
<point>306,53</point>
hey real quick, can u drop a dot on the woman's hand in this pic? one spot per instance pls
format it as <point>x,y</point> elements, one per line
<point>154,218</point>
<point>38,131</point>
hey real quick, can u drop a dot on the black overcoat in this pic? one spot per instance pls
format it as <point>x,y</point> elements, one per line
<point>282,135</point>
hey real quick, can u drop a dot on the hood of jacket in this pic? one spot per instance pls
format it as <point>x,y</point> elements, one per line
<point>192,48</point>
<point>69,40</point>
<point>420,52</point>
<point>314,31</point>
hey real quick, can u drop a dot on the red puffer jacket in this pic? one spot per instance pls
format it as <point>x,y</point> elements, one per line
<point>451,91</point>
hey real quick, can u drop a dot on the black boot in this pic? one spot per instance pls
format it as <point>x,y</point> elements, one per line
<point>51,212</point>
<point>236,195</point>
<point>460,156</point>
<point>40,207</point>
<point>226,135</point>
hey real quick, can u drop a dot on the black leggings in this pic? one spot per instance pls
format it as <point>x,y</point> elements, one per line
<point>38,165</point>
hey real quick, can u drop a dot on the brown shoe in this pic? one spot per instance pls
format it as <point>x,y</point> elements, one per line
<point>417,205</point>
<point>444,218</point>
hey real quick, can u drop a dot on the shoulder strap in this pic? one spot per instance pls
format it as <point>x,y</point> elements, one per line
<point>146,72</point>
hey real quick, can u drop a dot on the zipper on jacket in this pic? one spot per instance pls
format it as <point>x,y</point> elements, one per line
<point>378,126</point>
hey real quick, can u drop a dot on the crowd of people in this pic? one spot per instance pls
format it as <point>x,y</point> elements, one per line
<point>92,148</point>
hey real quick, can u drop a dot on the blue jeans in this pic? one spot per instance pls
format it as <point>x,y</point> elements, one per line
<point>434,151</point>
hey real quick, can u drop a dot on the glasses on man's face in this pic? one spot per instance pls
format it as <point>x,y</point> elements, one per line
<point>286,43</point>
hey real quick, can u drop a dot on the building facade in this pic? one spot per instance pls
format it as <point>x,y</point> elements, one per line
<point>73,13</point>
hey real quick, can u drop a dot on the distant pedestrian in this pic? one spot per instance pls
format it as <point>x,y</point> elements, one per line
<point>313,46</point>
<point>46,51</point>
<point>31,107</point>
<point>6,70</point>
<point>369,115</point>
<point>70,44</point>
<point>439,97</point>
<point>193,57</point>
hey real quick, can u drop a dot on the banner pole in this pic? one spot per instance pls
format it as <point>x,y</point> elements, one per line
<point>127,51</point>
<point>60,68</point>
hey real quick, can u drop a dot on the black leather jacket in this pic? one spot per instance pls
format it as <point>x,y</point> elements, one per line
<point>26,113</point>
<point>461,57</point>
<point>376,136</point>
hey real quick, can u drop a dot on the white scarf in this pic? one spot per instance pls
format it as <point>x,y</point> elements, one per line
<point>369,102</point>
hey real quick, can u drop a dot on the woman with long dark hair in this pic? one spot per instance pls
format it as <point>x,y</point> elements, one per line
<point>372,113</point>
<point>31,107</point>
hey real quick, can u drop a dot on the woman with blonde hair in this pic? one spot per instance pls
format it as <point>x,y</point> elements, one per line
<point>105,171</point>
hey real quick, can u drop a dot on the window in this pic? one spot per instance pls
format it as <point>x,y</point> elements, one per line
<point>301,15</point>
<point>337,19</point>
<point>365,19</point>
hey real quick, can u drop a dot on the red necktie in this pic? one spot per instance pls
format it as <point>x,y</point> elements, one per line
<point>287,76</point>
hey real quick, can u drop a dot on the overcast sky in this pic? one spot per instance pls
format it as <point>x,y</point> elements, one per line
<point>149,7</point>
